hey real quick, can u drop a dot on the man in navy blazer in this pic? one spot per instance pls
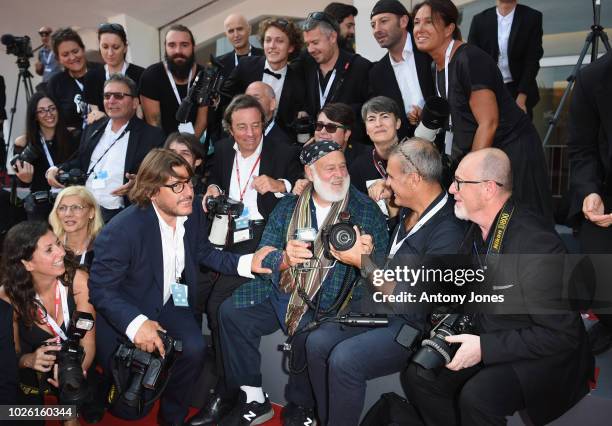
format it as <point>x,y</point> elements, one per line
<point>148,259</point>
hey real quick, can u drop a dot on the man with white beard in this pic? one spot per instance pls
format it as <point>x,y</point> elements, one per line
<point>269,302</point>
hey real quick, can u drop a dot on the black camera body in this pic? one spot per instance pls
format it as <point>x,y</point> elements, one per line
<point>436,352</point>
<point>341,235</point>
<point>29,154</point>
<point>223,205</point>
<point>148,370</point>
<point>72,177</point>
<point>304,128</point>
<point>20,46</point>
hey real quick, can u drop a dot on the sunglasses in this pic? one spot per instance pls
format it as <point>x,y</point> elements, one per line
<point>323,17</point>
<point>117,95</point>
<point>111,27</point>
<point>329,127</point>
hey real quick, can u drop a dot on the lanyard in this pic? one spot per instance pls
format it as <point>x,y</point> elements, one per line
<point>499,232</point>
<point>323,95</point>
<point>243,190</point>
<point>91,169</point>
<point>236,56</point>
<point>123,69</point>
<point>397,244</point>
<point>79,84</point>
<point>43,142</point>
<point>60,299</point>
<point>270,125</point>
<point>379,165</point>
<point>82,261</point>
<point>173,83</point>
<point>49,56</point>
<point>449,50</point>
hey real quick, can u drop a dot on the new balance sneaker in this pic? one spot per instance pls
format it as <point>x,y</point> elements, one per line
<point>247,414</point>
<point>295,415</point>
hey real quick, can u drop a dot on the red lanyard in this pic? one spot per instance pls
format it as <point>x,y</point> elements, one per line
<point>57,304</point>
<point>243,190</point>
<point>379,165</point>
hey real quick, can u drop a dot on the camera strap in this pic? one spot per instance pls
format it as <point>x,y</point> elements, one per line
<point>323,94</point>
<point>61,298</point>
<point>43,142</point>
<point>173,83</point>
<point>499,232</point>
<point>91,169</point>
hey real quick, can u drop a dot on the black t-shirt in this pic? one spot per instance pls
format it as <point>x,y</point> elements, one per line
<point>66,92</point>
<point>472,69</point>
<point>94,83</point>
<point>367,166</point>
<point>155,85</point>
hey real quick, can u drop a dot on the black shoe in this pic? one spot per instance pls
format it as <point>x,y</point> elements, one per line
<point>295,415</point>
<point>600,338</point>
<point>247,414</point>
<point>212,412</point>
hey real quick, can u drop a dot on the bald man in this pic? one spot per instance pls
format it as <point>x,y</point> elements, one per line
<point>264,93</point>
<point>528,360</point>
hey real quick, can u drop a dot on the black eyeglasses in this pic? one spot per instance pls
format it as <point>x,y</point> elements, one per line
<point>108,26</point>
<point>458,182</point>
<point>48,110</point>
<point>329,127</point>
<point>178,187</point>
<point>117,95</point>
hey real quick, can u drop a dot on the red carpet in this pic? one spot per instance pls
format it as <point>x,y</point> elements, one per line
<point>150,420</point>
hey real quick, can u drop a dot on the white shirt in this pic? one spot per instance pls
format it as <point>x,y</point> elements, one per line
<point>275,83</point>
<point>504,25</point>
<point>321,213</point>
<point>113,163</point>
<point>407,77</point>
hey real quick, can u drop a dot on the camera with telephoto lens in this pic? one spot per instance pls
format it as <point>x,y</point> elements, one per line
<point>29,154</point>
<point>72,177</point>
<point>434,115</point>
<point>341,236</point>
<point>146,370</point>
<point>222,209</point>
<point>20,46</point>
<point>436,352</point>
<point>304,128</point>
<point>73,389</point>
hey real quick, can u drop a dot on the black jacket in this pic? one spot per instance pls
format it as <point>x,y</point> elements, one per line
<point>590,129</point>
<point>8,359</point>
<point>278,161</point>
<point>383,83</point>
<point>549,353</point>
<point>524,46</point>
<point>228,60</point>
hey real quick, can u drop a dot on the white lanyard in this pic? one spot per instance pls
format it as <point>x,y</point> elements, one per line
<point>79,84</point>
<point>397,244</point>
<point>173,84</point>
<point>449,49</point>
<point>270,125</point>
<point>123,69</point>
<point>236,56</point>
<point>43,142</point>
<point>323,95</point>
<point>49,56</point>
<point>50,321</point>
<point>82,261</point>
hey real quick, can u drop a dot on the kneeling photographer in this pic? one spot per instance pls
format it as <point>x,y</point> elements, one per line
<point>47,142</point>
<point>111,149</point>
<point>510,360</point>
<point>338,365</point>
<point>54,321</point>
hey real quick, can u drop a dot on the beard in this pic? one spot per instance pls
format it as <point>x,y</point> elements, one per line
<point>180,70</point>
<point>328,192</point>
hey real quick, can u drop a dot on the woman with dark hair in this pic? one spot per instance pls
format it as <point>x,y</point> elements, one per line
<point>113,48</point>
<point>67,87</point>
<point>47,142</point>
<point>187,146</point>
<point>483,113</point>
<point>44,291</point>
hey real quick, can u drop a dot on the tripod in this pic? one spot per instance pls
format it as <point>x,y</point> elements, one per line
<point>592,40</point>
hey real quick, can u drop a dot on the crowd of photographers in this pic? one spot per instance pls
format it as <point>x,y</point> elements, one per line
<point>264,190</point>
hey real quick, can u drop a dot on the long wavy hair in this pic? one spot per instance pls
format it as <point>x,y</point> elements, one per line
<point>20,244</point>
<point>65,145</point>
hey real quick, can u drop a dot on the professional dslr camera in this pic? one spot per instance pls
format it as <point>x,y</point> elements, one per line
<point>304,128</point>
<point>29,154</point>
<point>436,352</point>
<point>72,386</point>
<point>136,370</point>
<point>341,236</point>
<point>18,46</point>
<point>72,177</point>
<point>223,209</point>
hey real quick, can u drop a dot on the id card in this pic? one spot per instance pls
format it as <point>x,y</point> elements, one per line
<point>448,142</point>
<point>179,294</point>
<point>100,178</point>
<point>186,128</point>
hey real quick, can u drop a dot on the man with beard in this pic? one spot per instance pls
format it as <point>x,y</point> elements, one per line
<point>345,16</point>
<point>404,74</point>
<point>142,281</point>
<point>164,85</point>
<point>267,303</point>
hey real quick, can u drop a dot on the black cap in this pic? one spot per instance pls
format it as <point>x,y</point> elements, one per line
<point>389,6</point>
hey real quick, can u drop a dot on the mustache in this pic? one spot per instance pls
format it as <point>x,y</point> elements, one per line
<point>180,70</point>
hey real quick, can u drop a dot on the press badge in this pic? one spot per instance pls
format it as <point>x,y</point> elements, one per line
<point>241,228</point>
<point>179,294</point>
<point>186,128</point>
<point>99,181</point>
<point>448,142</point>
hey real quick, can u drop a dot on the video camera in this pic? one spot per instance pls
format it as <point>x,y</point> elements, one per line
<point>20,46</point>
<point>72,386</point>
<point>341,236</point>
<point>136,370</point>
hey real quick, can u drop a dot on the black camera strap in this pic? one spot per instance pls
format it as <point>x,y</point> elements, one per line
<point>91,169</point>
<point>499,232</point>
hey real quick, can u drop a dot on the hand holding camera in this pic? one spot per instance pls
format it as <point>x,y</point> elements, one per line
<point>468,354</point>
<point>43,358</point>
<point>24,171</point>
<point>147,339</point>
<point>213,192</point>
<point>363,246</point>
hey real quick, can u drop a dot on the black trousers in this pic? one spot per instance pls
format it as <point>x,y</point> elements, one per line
<point>470,397</point>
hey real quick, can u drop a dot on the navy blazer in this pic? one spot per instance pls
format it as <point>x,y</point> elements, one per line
<point>126,277</point>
